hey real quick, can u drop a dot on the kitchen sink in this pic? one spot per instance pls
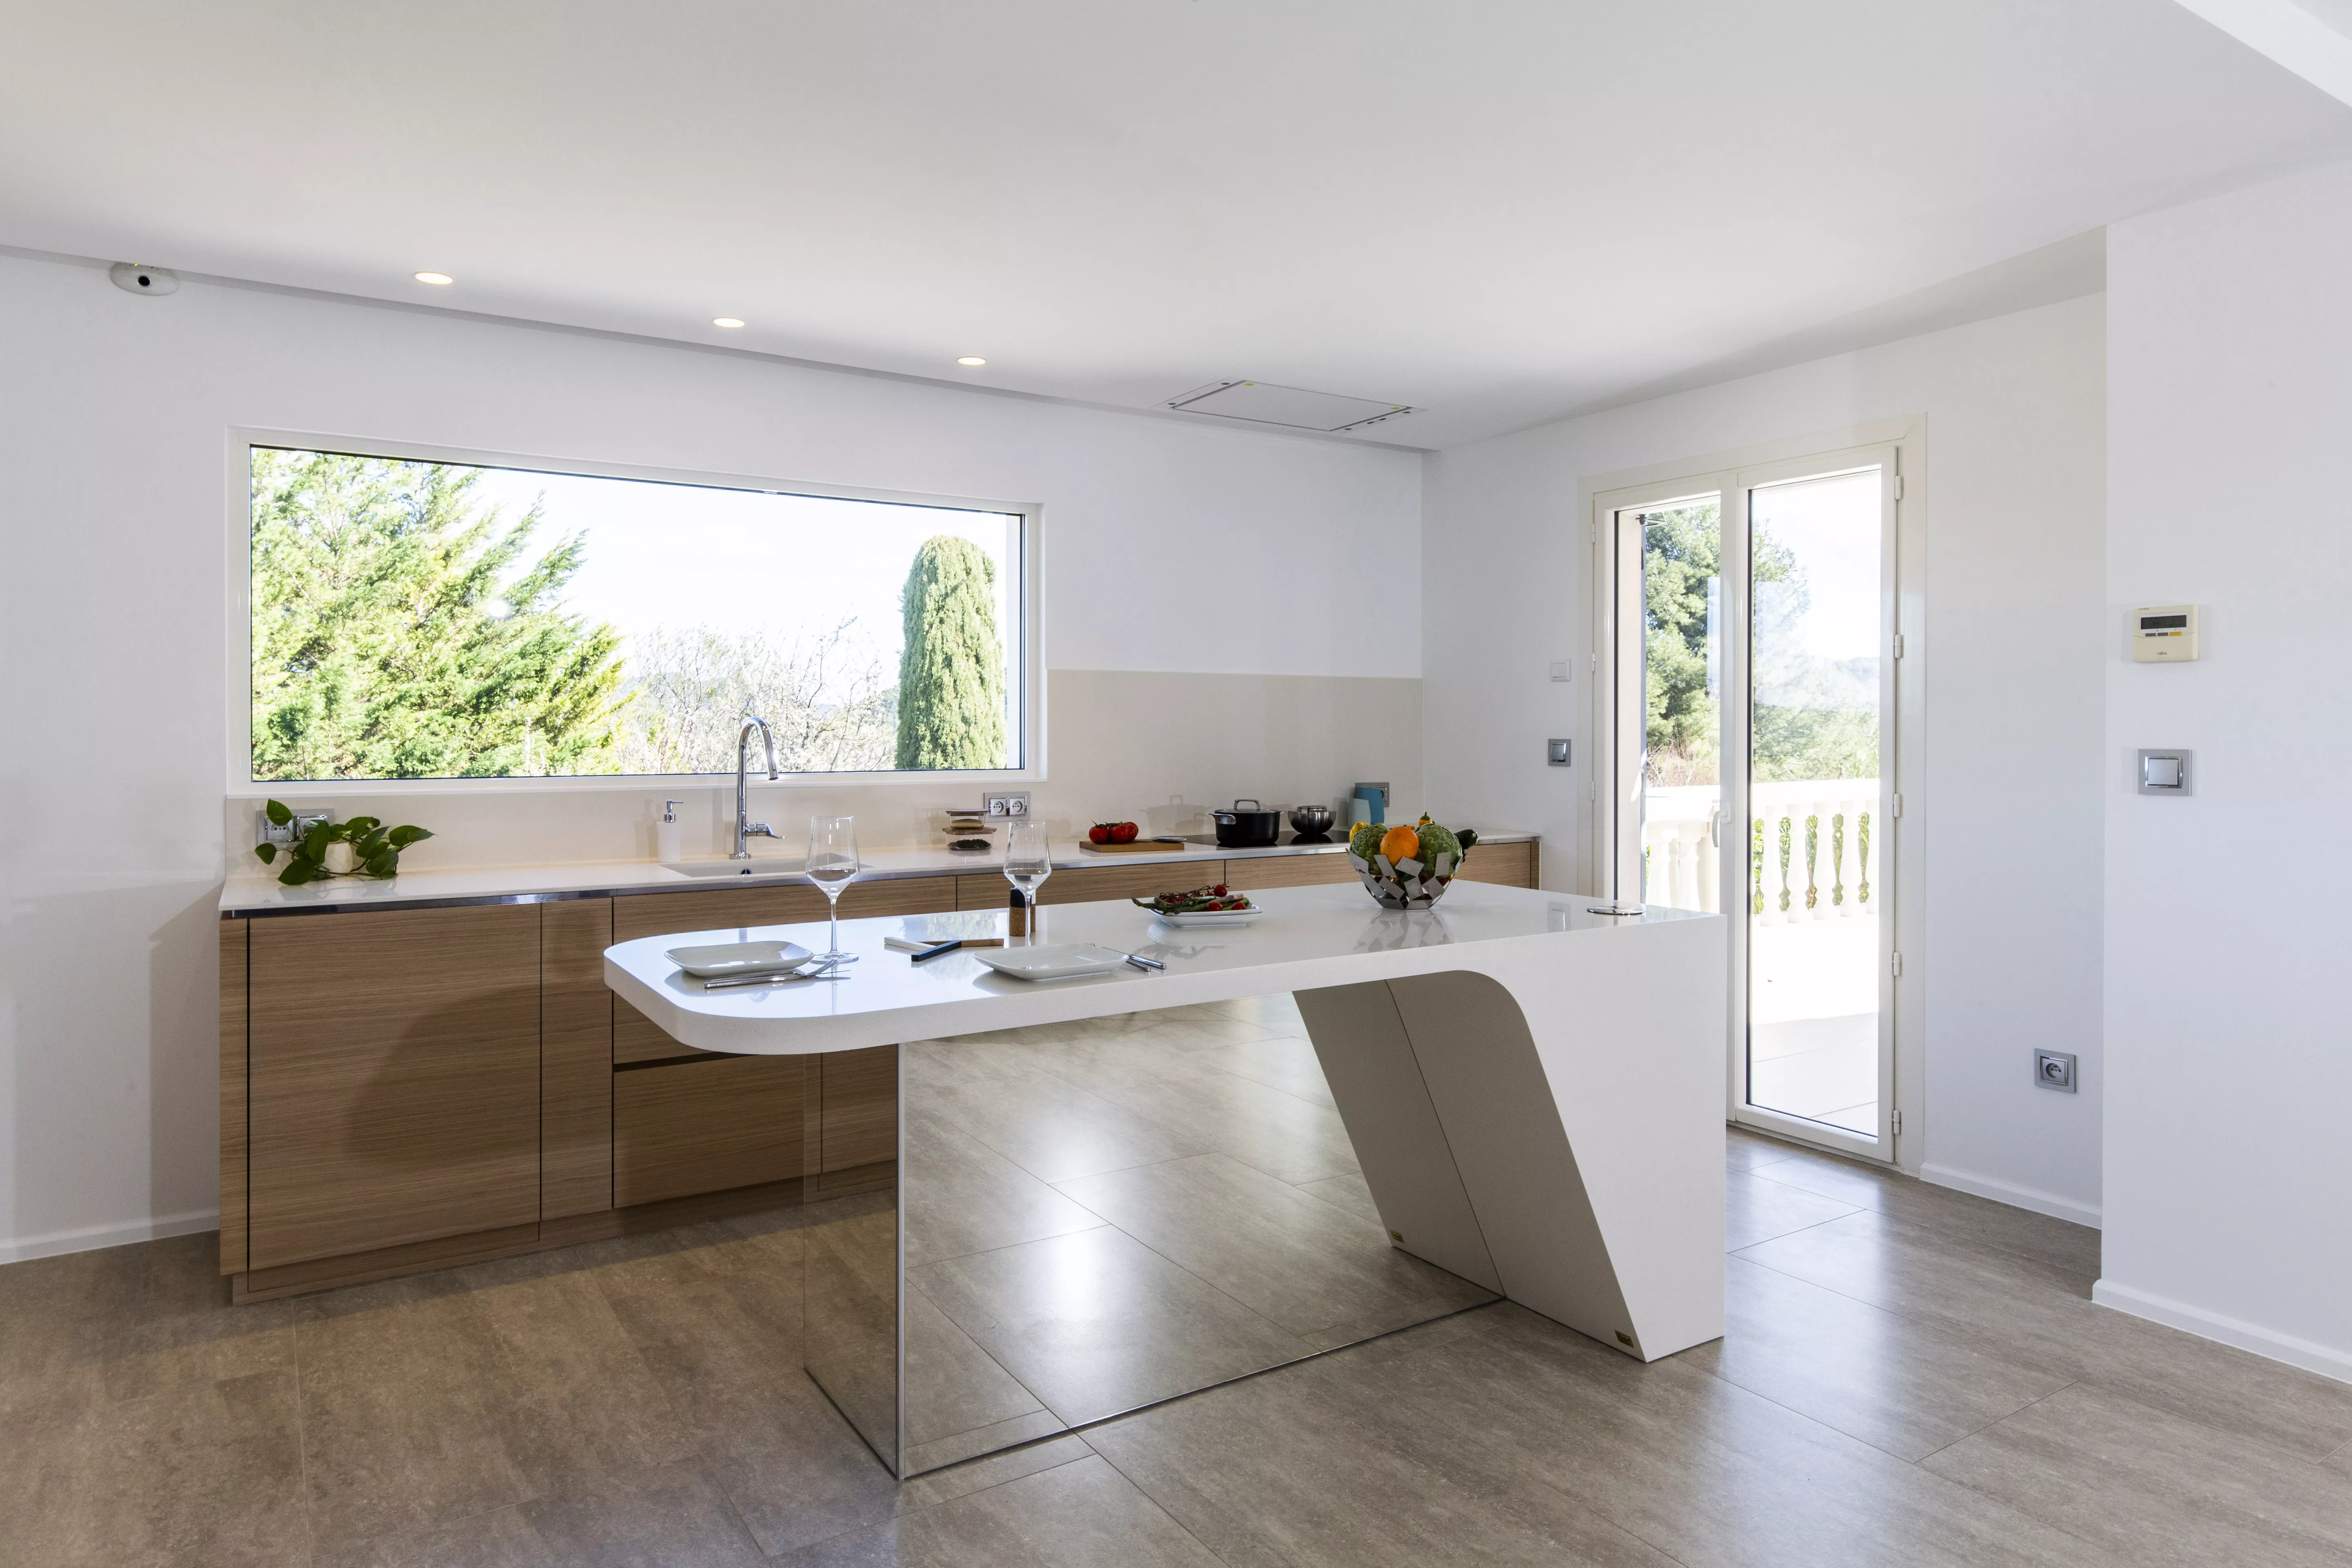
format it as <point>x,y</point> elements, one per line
<point>757,866</point>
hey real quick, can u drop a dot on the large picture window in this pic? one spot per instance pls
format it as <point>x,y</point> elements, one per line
<point>417,619</point>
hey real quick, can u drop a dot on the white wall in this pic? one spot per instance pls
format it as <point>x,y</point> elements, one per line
<point>1170,547</point>
<point>2012,490</point>
<point>2228,1172</point>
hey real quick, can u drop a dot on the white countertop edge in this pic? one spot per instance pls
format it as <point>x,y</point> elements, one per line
<point>247,894</point>
<point>1001,1002</point>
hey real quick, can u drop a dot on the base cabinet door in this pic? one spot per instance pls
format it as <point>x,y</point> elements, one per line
<point>392,1079</point>
<point>704,1126</point>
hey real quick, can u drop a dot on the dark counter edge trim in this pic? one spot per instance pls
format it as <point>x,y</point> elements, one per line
<point>706,884</point>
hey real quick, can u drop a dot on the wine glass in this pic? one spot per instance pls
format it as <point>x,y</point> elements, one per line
<point>1027,863</point>
<point>833,865</point>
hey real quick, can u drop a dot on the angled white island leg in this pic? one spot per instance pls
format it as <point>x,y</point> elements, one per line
<point>1550,1125</point>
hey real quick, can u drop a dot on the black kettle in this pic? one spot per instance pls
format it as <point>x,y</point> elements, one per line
<point>1254,829</point>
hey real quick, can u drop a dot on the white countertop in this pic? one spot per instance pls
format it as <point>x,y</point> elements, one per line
<point>260,893</point>
<point>1309,937</point>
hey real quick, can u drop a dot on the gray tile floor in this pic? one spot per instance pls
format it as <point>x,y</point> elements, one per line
<point>1910,1376</point>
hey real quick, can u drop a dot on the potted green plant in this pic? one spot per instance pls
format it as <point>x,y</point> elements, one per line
<point>363,846</point>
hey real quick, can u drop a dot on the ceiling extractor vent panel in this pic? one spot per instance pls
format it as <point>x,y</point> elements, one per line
<point>1292,407</point>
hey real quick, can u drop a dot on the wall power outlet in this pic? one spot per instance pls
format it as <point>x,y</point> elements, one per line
<point>2054,1070</point>
<point>1011,802</point>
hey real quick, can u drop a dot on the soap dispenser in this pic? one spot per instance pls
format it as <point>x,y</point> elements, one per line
<point>665,833</point>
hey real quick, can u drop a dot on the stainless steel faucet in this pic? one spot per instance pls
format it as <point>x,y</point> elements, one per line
<point>744,829</point>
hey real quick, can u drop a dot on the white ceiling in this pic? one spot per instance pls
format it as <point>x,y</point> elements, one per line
<point>1495,212</point>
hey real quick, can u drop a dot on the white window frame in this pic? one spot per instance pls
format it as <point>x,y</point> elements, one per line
<point>1900,445</point>
<point>1029,630</point>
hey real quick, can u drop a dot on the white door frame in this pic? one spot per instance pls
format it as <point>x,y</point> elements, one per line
<point>1618,726</point>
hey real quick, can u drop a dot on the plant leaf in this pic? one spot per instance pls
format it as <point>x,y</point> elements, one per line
<point>385,863</point>
<point>401,838</point>
<point>278,814</point>
<point>300,871</point>
<point>366,848</point>
<point>267,852</point>
<point>361,824</point>
<point>315,842</point>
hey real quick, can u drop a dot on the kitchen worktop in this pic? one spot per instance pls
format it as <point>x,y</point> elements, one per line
<point>1306,937</point>
<point>260,895</point>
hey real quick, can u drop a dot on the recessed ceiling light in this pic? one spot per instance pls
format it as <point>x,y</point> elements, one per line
<point>725,321</point>
<point>971,359</point>
<point>438,280</point>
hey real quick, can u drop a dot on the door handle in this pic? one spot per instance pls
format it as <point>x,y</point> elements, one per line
<point>1715,828</point>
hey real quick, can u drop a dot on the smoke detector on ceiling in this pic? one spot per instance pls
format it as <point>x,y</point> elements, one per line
<point>1292,407</point>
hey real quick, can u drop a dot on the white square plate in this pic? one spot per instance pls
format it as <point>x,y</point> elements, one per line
<point>1065,961</point>
<point>739,958</point>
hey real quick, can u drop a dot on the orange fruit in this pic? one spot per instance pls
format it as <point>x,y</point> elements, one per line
<point>1400,843</point>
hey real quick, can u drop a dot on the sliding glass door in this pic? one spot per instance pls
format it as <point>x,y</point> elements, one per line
<point>1750,624</point>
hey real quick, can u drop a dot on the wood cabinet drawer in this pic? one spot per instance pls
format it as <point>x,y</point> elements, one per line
<point>1291,871</point>
<point>392,1079</point>
<point>705,1126</point>
<point>897,896</point>
<point>1512,865</point>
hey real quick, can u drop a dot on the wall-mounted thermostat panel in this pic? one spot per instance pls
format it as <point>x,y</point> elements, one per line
<point>2164,634</point>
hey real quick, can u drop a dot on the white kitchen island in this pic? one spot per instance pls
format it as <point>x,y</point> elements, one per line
<point>1534,1094</point>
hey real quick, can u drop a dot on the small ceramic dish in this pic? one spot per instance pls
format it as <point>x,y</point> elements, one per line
<point>725,958</point>
<point>1065,961</point>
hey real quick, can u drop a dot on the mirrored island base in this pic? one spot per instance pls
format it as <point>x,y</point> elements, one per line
<point>973,1307</point>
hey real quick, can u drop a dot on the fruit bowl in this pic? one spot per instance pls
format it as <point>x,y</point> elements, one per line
<point>1408,867</point>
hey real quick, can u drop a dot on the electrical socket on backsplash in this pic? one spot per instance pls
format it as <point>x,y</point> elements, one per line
<point>1011,802</point>
<point>303,821</point>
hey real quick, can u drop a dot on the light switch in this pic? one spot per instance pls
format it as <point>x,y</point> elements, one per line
<point>1555,754</point>
<point>1559,670</point>
<point>2165,772</point>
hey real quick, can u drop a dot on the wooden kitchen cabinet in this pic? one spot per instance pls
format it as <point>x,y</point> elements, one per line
<point>576,1059</point>
<point>705,1125</point>
<point>1511,864</point>
<point>392,1079</point>
<point>858,1115</point>
<point>1296,871</point>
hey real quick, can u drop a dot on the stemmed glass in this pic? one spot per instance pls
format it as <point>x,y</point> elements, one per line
<point>1027,864</point>
<point>833,865</point>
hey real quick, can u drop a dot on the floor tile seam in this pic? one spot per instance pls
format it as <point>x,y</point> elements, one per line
<point>1206,1283</point>
<point>1091,1453</point>
<point>1867,1443</point>
<point>1245,1078</point>
<point>1922,1460</point>
<point>1589,1506</point>
<point>302,1461</point>
<point>2091,1381</point>
<point>734,1508</point>
<point>1100,1224</point>
<point>1146,1492</point>
<point>1989,1245</point>
<point>1797,1231</point>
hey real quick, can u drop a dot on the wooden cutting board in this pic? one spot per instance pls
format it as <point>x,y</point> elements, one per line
<point>1141,846</point>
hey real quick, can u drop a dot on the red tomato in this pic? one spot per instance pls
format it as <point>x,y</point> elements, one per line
<point>1124,833</point>
<point>1100,833</point>
<point>1219,890</point>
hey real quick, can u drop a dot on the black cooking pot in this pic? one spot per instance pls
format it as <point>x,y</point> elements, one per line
<point>1252,829</point>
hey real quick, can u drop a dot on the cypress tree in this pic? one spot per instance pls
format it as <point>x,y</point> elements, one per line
<point>951,675</point>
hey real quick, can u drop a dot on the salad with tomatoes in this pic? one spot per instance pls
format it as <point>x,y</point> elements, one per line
<point>1199,901</point>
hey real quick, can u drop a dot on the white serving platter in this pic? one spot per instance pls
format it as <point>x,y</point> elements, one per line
<point>1211,917</point>
<point>1064,961</point>
<point>739,958</point>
